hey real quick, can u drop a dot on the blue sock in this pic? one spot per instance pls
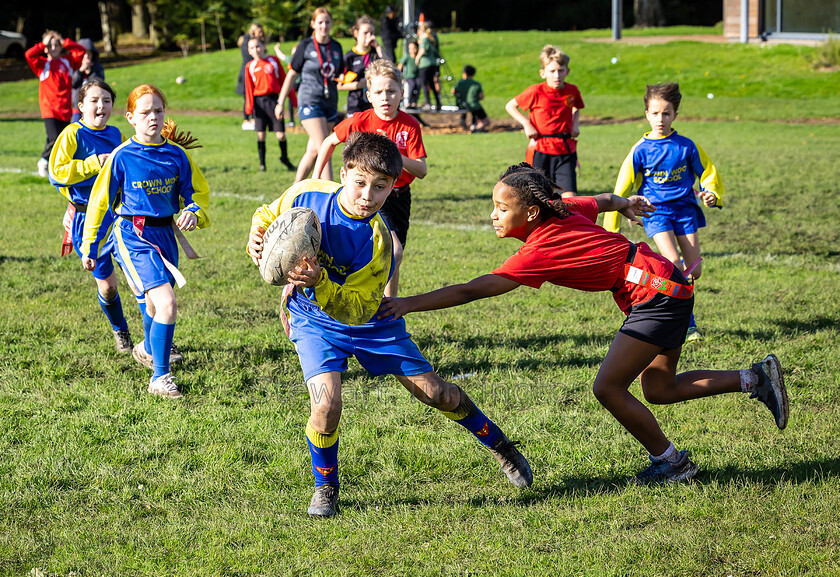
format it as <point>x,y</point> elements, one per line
<point>113,310</point>
<point>324,452</point>
<point>147,322</point>
<point>141,303</point>
<point>691,323</point>
<point>160,339</point>
<point>471,418</point>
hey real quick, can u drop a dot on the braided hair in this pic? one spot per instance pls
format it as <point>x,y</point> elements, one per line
<point>532,187</point>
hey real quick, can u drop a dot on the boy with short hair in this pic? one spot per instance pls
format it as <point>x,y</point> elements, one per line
<point>332,302</point>
<point>385,93</point>
<point>553,121</point>
<point>469,94</point>
<point>264,76</point>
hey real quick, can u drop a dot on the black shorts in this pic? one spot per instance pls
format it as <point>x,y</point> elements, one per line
<point>560,168</point>
<point>264,114</point>
<point>396,210</point>
<point>661,321</point>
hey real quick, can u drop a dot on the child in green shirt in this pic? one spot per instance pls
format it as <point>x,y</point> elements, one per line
<point>468,95</point>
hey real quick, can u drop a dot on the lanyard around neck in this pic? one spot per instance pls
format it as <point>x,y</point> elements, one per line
<point>321,62</point>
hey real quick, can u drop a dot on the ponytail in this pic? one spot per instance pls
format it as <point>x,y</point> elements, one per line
<point>184,139</point>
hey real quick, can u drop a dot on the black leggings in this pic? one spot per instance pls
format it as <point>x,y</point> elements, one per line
<point>427,79</point>
<point>54,127</point>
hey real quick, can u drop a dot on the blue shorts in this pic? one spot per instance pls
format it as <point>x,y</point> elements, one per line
<point>682,216</point>
<point>318,110</point>
<point>381,348</point>
<point>141,262</point>
<point>104,265</point>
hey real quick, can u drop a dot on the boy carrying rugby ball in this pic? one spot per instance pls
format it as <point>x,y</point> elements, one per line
<point>332,303</point>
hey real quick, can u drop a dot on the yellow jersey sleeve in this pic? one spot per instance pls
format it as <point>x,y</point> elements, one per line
<point>357,300</point>
<point>627,183</point>
<point>201,195</point>
<point>710,180</point>
<point>66,170</point>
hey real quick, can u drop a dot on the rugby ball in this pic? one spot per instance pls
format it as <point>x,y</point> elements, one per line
<point>293,235</point>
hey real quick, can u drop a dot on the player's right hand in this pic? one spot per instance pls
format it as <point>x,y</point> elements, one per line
<point>255,245</point>
<point>392,308</point>
<point>88,263</point>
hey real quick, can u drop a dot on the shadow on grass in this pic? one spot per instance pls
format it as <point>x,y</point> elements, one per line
<point>802,472</point>
<point>788,327</point>
<point>795,473</point>
<point>570,353</point>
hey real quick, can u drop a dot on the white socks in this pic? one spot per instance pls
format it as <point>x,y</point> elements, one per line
<point>671,455</point>
<point>749,380</point>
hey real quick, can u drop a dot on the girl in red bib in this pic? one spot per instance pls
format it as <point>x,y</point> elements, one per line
<point>564,246</point>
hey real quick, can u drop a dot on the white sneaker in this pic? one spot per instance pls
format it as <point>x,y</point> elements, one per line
<point>248,125</point>
<point>163,386</point>
<point>43,167</point>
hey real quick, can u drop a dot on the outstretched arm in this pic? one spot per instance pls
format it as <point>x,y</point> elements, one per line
<point>633,207</point>
<point>489,285</point>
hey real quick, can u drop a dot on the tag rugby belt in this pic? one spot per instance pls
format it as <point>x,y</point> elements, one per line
<point>658,283</point>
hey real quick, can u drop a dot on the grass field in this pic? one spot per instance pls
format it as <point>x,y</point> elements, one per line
<point>99,478</point>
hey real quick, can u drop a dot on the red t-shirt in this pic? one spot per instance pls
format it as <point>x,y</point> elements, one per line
<point>550,112</point>
<point>262,77</point>
<point>403,130</point>
<point>577,253</point>
<point>55,88</point>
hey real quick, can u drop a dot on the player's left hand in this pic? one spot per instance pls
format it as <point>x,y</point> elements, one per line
<point>708,198</point>
<point>307,274</point>
<point>278,111</point>
<point>187,221</point>
<point>637,206</point>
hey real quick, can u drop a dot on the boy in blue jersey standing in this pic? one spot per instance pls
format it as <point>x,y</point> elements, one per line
<point>332,303</point>
<point>662,167</point>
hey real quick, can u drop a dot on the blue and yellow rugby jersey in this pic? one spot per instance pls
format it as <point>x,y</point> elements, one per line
<point>356,257</point>
<point>144,179</point>
<point>664,170</point>
<point>74,164</point>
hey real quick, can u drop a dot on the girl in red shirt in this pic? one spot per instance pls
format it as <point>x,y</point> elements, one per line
<point>55,73</point>
<point>564,246</point>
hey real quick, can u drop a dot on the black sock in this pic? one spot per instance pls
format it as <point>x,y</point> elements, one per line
<point>261,148</point>
<point>284,149</point>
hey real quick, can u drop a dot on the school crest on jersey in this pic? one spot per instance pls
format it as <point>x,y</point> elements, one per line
<point>401,139</point>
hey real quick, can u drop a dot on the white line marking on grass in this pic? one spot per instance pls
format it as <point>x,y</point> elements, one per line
<point>451,226</point>
<point>238,196</point>
<point>17,170</point>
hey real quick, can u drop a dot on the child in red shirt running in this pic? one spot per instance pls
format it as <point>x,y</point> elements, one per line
<point>385,93</point>
<point>264,77</point>
<point>564,246</point>
<point>55,89</point>
<point>553,121</point>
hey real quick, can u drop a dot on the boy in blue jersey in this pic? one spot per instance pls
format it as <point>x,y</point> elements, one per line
<point>75,161</point>
<point>332,303</point>
<point>662,167</point>
<point>145,182</point>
